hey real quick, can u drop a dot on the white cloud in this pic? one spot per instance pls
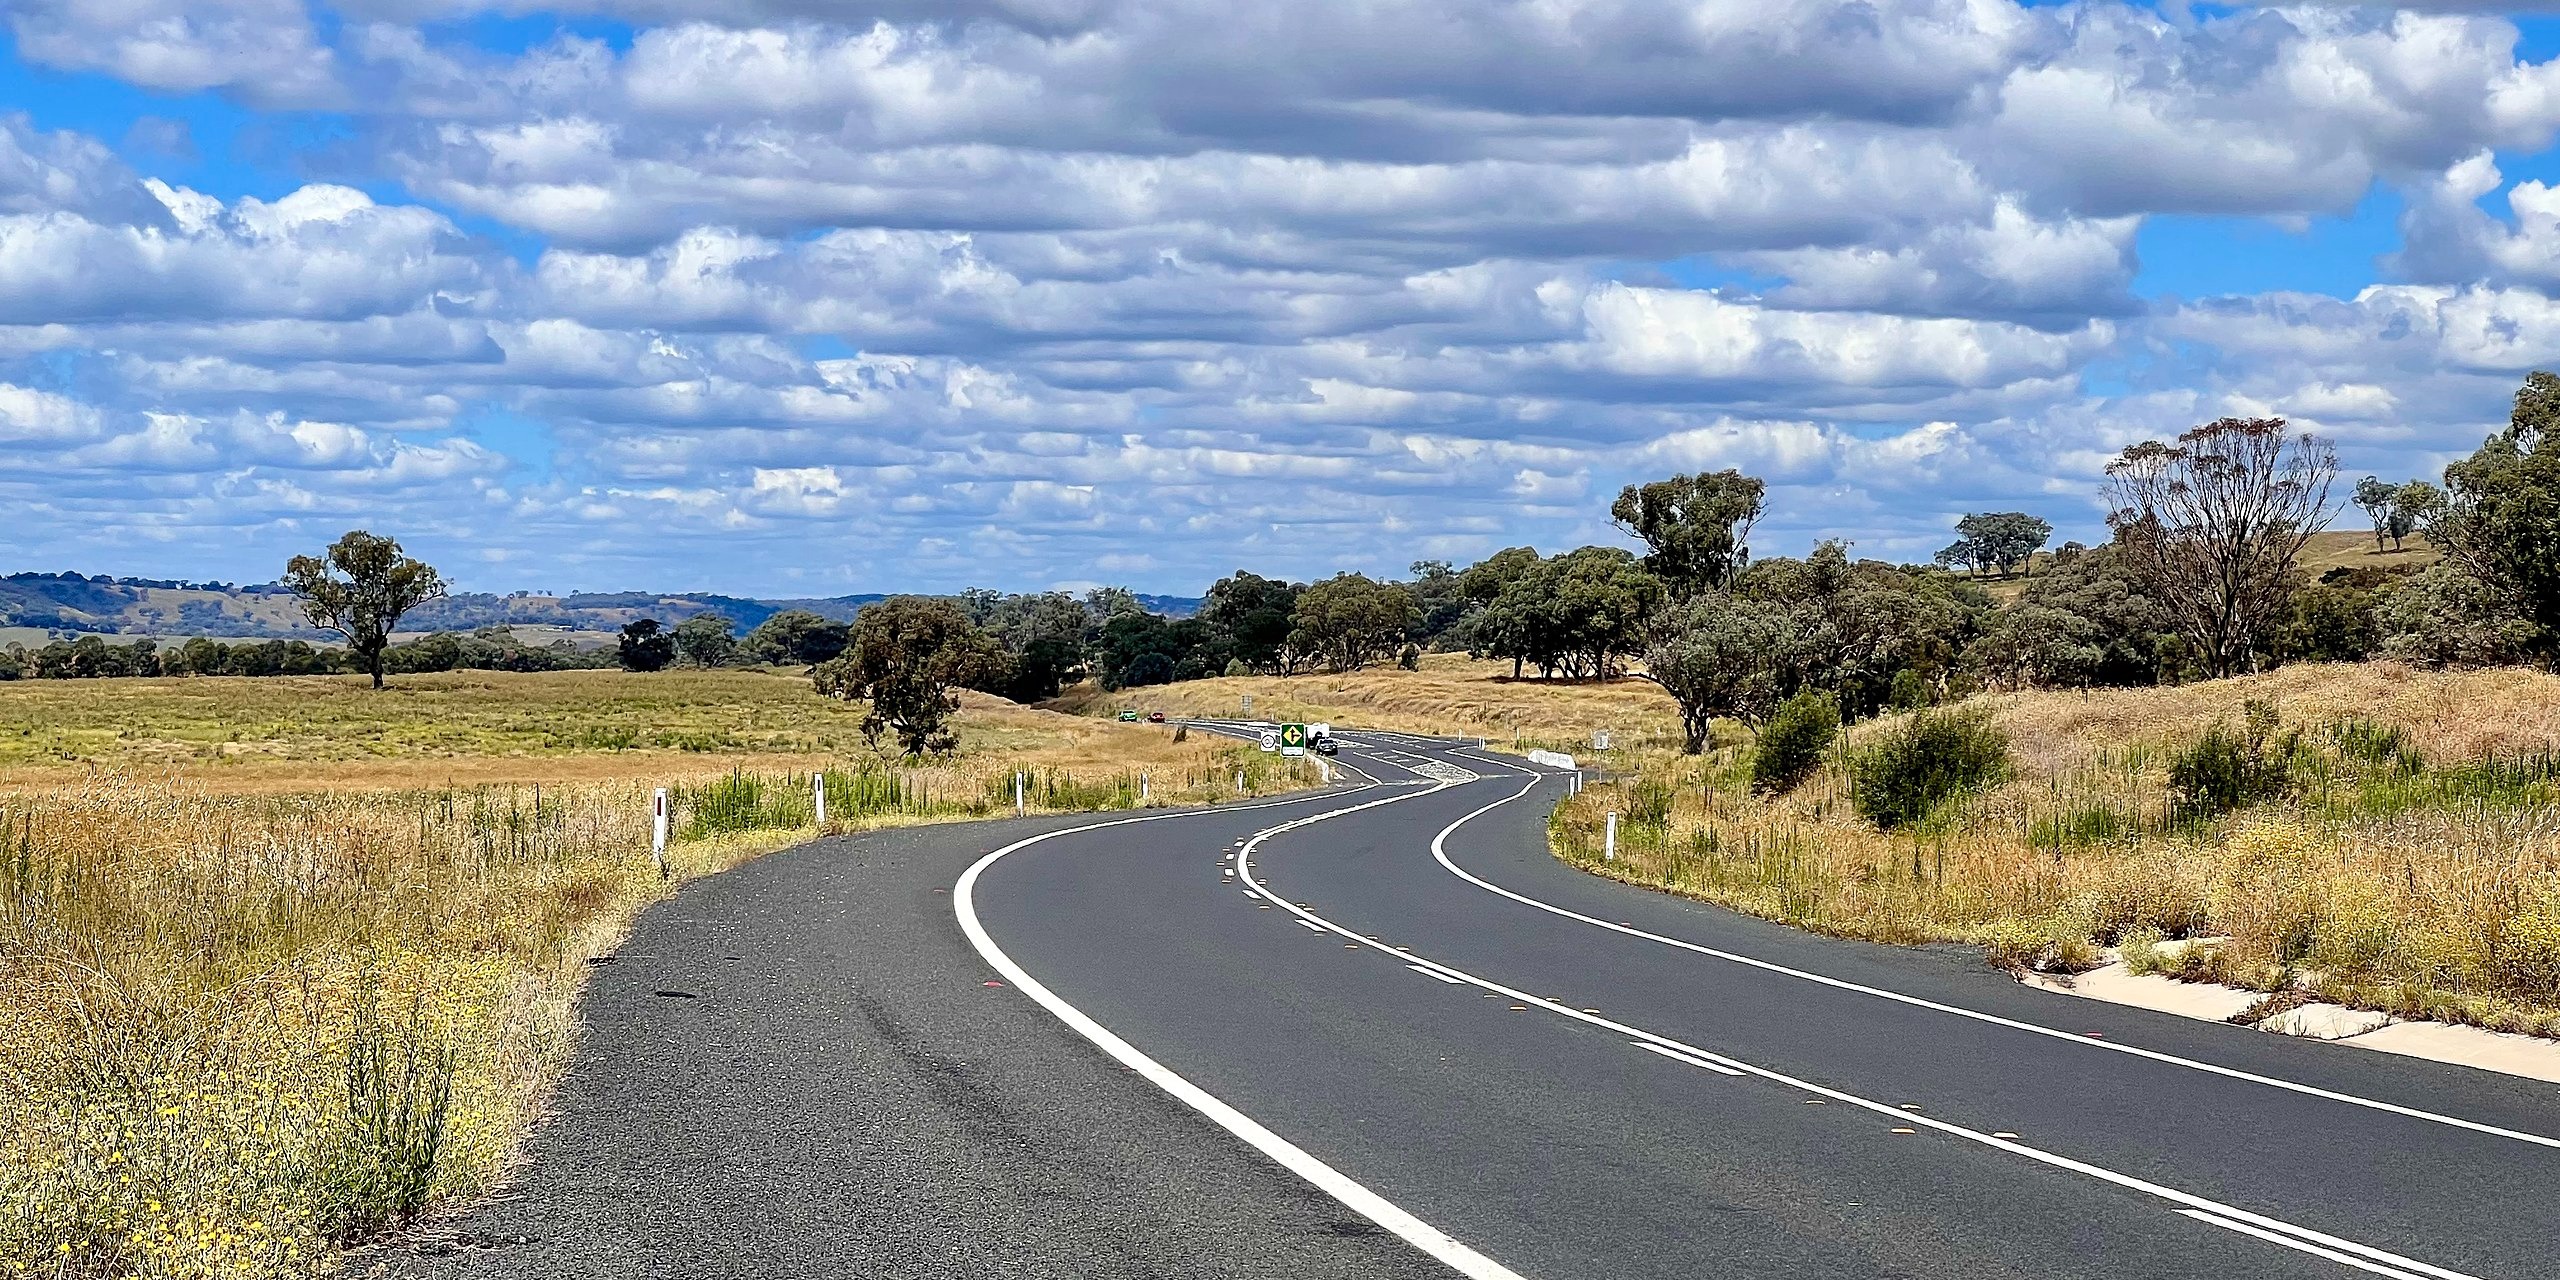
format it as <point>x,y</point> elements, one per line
<point>1050,290</point>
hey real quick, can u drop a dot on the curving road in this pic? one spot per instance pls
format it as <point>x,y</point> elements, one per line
<point>1378,1031</point>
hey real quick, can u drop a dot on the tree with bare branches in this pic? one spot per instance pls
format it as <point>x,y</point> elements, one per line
<point>2210,526</point>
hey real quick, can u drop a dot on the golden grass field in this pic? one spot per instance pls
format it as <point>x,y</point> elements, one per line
<point>283,962</point>
<point>2427,885</point>
<point>1451,694</point>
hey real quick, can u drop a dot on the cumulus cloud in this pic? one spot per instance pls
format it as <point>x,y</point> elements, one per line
<point>1053,290</point>
<point>266,51</point>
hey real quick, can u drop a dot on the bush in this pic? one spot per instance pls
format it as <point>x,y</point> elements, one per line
<point>1911,691</point>
<point>1793,743</point>
<point>1649,803</point>
<point>1920,764</point>
<point>2224,770</point>
<point>1411,658</point>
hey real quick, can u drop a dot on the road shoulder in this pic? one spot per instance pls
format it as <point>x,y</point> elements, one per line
<point>800,1068</point>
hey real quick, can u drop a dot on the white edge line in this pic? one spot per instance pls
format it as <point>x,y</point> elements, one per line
<point>1994,1019</point>
<point>1359,1199</point>
<point>1436,976</point>
<point>2053,1159</point>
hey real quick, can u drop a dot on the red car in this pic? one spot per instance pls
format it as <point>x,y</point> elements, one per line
<point>1155,717</point>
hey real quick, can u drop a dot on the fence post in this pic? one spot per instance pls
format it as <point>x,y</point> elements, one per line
<point>1609,846</point>
<point>818,785</point>
<point>1018,809</point>
<point>658,831</point>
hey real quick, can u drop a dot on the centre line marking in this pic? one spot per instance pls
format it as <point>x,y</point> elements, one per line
<point>1440,1245</point>
<point>2403,1266</point>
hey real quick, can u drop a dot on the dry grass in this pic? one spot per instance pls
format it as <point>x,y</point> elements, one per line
<point>233,991</point>
<point>2430,889</point>
<point>1450,694</point>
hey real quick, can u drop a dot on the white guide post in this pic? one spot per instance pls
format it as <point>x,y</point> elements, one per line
<point>1142,786</point>
<point>658,830</point>
<point>1609,843</point>
<point>1018,809</point>
<point>818,793</point>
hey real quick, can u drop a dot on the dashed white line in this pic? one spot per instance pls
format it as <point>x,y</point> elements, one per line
<point>2410,1267</point>
<point>1439,852</point>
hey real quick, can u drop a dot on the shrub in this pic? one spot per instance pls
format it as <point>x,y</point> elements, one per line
<point>2377,743</point>
<point>1411,658</point>
<point>1920,764</point>
<point>1793,743</point>
<point>2224,770</point>
<point>1649,803</point>
<point>1910,691</point>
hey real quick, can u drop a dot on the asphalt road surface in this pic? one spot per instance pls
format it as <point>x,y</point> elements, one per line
<point>1378,1031</point>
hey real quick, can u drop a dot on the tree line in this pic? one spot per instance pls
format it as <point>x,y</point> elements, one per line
<point>2198,579</point>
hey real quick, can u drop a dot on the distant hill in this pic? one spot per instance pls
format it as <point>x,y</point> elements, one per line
<point>100,605</point>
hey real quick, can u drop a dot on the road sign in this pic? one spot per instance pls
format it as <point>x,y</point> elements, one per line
<point>1293,739</point>
<point>1248,704</point>
<point>1270,739</point>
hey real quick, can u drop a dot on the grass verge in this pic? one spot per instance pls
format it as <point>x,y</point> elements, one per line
<point>2409,861</point>
<point>252,1013</point>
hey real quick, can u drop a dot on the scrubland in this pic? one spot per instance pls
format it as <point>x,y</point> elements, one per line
<point>285,963</point>
<point>2410,864</point>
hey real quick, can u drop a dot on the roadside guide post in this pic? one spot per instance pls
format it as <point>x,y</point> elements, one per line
<point>658,831</point>
<point>818,793</point>
<point>1609,843</point>
<point>1017,793</point>
<point>1142,786</point>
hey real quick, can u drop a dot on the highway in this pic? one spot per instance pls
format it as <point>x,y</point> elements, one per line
<point>1378,1031</point>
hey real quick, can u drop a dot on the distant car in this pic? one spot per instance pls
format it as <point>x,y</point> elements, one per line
<point>1129,715</point>
<point>1327,746</point>
<point>1155,717</point>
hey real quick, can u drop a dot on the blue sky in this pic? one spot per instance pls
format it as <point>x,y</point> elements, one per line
<point>1032,293</point>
